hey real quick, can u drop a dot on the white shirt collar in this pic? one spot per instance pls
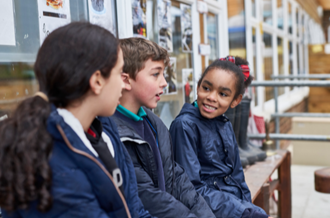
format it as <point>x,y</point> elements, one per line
<point>74,123</point>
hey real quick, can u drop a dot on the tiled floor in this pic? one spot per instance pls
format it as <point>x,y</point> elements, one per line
<point>306,202</point>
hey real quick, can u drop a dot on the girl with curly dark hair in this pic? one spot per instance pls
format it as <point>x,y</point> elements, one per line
<point>50,167</point>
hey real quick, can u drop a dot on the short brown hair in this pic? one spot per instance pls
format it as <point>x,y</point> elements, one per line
<point>137,51</point>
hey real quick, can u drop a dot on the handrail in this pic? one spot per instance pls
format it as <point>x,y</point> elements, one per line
<point>294,137</point>
<point>299,83</point>
<point>323,115</point>
<point>291,83</point>
<point>306,76</point>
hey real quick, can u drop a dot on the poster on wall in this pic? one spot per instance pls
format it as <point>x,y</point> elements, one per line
<point>7,24</point>
<point>52,15</point>
<point>139,9</point>
<point>187,82</point>
<point>186,28</point>
<point>171,78</point>
<point>101,13</point>
<point>164,24</point>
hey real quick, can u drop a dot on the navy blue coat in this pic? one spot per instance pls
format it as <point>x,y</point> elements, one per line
<point>207,150</point>
<point>124,162</point>
<point>180,198</point>
<point>81,186</point>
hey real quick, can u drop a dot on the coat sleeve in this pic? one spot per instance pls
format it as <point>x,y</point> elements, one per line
<point>188,195</point>
<point>185,151</point>
<point>157,202</point>
<point>133,188</point>
<point>238,174</point>
<point>134,203</point>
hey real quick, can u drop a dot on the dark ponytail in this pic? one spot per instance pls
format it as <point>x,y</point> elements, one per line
<point>240,61</point>
<point>24,150</point>
<point>67,59</point>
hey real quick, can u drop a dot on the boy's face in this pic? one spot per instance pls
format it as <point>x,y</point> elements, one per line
<point>216,93</point>
<point>149,84</point>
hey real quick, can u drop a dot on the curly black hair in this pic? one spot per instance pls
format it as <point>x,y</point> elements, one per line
<point>233,68</point>
<point>65,62</point>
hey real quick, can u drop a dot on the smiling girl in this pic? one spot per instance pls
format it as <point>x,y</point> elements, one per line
<point>205,144</point>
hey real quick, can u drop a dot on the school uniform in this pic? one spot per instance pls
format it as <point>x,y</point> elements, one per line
<point>163,186</point>
<point>207,150</point>
<point>81,184</point>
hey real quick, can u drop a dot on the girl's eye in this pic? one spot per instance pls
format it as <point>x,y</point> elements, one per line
<point>156,74</point>
<point>205,88</point>
<point>223,94</point>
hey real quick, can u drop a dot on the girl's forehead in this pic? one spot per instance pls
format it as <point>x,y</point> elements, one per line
<point>220,78</point>
<point>219,74</point>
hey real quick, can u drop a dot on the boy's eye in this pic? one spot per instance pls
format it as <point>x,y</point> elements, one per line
<point>156,74</point>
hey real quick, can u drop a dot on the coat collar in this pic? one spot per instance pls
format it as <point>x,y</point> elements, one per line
<point>194,110</point>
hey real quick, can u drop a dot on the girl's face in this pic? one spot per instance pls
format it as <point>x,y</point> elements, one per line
<point>113,88</point>
<point>216,93</point>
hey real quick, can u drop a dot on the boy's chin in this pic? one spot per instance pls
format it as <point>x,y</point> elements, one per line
<point>151,105</point>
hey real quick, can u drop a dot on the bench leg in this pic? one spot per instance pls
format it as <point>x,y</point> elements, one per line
<point>262,199</point>
<point>284,190</point>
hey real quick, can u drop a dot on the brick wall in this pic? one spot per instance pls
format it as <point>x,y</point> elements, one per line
<point>285,122</point>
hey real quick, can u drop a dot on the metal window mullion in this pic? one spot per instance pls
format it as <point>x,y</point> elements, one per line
<point>294,41</point>
<point>124,18</point>
<point>259,57</point>
<point>248,40</point>
<point>197,59</point>
<point>223,30</point>
<point>206,39</point>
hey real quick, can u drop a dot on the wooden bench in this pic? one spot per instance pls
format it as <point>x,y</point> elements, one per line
<point>257,179</point>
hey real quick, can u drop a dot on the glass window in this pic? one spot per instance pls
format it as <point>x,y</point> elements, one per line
<point>279,14</point>
<point>289,18</point>
<point>267,11</point>
<point>236,28</point>
<point>17,78</point>
<point>212,36</point>
<point>254,68</point>
<point>297,21</point>
<point>179,77</point>
<point>298,59</point>
<point>268,63</point>
<point>302,28</point>
<point>280,62</point>
<point>290,60</point>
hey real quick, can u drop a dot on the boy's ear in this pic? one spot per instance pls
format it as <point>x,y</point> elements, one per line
<point>236,101</point>
<point>96,82</point>
<point>127,81</point>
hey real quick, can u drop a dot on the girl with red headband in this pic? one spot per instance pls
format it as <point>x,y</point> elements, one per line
<point>204,141</point>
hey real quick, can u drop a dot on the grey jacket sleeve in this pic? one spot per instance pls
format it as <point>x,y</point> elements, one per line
<point>157,202</point>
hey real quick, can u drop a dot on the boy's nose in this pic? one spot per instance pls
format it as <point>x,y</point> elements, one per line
<point>163,82</point>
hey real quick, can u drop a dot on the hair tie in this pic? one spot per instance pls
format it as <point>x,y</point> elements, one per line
<point>41,95</point>
<point>228,58</point>
<point>246,71</point>
<point>245,68</point>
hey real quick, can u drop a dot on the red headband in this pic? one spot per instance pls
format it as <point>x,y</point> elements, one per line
<point>245,68</point>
